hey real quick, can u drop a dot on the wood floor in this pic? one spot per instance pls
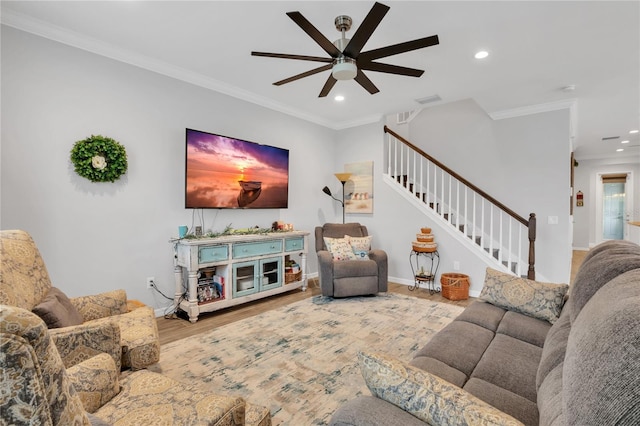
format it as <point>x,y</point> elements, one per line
<point>177,328</point>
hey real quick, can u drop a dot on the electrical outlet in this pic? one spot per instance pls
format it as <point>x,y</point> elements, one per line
<point>150,282</point>
<point>456,265</point>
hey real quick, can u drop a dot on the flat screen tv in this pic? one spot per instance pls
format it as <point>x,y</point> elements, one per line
<point>229,173</point>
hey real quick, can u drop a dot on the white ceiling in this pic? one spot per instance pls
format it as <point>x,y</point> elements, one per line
<point>536,48</point>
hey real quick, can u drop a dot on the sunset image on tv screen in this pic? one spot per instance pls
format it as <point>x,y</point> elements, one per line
<point>224,172</point>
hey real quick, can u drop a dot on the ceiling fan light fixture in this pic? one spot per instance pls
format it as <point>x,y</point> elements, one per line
<point>344,69</point>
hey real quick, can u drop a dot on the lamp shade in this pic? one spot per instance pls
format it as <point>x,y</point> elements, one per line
<point>326,190</point>
<point>343,177</point>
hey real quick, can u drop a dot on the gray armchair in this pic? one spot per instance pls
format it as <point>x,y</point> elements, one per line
<point>345,278</point>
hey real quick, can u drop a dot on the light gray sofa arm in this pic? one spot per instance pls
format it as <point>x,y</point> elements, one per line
<point>380,257</point>
<point>325,271</point>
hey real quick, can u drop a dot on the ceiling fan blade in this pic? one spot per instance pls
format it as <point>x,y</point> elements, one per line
<point>288,56</point>
<point>366,83</point>
<point>390,69</point>
<point>395,49</point>
<point>364,31</point>
<point>313,32</point>
<point>327,86</point>
<point>302,75</point>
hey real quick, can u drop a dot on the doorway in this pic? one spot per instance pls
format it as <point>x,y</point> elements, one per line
<point>613,210</point>
<point>614,204</point>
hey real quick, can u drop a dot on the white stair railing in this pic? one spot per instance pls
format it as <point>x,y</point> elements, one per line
<point>491,227</point>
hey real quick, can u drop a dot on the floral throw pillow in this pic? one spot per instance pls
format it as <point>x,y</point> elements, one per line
<point>360,246</point>
<point>533,298</point>
<point>340,248</point>
<point>426,396</point>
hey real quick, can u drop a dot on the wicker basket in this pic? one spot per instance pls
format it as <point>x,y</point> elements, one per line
<point>290,277</point>
<point>424,238</point>
<point>424,247</point>
<point>425,230</point>
<point>455,286</point>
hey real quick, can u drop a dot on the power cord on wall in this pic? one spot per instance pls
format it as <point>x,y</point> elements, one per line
<point>153,285</point>
<point>171,311</point>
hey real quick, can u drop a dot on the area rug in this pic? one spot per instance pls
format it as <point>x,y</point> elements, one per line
<point>300,360</point>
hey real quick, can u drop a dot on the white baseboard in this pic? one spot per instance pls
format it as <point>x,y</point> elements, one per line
<point>404,281</point>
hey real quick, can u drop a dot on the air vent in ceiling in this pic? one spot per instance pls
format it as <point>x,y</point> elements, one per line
<point>429,99</point>
<point>611,138</point>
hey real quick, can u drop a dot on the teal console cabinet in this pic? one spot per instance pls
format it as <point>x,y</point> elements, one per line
<point>235,269</point>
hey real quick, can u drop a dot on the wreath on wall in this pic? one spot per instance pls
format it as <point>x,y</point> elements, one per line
<point>99,159</point>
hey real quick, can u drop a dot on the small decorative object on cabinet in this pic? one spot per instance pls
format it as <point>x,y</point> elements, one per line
<point>424,260</point>
<point>232,269</point>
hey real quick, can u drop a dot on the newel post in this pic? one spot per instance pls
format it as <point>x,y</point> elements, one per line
<point>531,273</point>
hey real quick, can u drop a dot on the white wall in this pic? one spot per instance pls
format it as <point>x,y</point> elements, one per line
<point>101,236</point>
<point>97,237</point>
<point>586,180</point>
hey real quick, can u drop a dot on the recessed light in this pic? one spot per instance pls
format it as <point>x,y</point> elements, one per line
<point>339,98</point>
<point>619,150</point>
<point>481,54</point>
<point>624,141</point>
<point>633,131</point>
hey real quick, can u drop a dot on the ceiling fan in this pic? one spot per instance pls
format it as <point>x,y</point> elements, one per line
<point>346,61</point>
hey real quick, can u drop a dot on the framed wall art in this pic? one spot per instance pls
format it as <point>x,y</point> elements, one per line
<point>359,189</point>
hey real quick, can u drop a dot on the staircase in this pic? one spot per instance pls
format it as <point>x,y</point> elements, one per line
<point>475,218</point>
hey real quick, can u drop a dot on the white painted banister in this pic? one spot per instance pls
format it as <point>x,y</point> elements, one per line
<point>492,228</point>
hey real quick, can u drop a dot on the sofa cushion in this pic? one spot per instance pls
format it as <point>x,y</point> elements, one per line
<point>57,311</point>
<point>369,410</point>
<point>525,328</point>
<point>440,369</point>
<point>460,345</point>
<point>483,314</point>
<point>515,405</point>
<point>151,398</point>
<point>510,364</point>
<point>425,395</point>
<point>603,263</point>
<point>355,269</point>
<point>601,374</point>
<point>537,299</point>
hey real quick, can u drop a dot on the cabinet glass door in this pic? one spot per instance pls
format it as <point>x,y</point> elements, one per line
<point>244,279</point>
<point>270,273</point>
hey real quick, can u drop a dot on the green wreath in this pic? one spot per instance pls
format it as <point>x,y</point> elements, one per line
<point>99,159</point>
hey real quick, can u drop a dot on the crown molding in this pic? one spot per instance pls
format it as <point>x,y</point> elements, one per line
<point>71,38</point>
<point>570,104</point>
<point>533,109</point>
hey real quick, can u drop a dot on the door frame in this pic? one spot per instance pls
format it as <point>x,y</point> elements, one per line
<point>628,191</point>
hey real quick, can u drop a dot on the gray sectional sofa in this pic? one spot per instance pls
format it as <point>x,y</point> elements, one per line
<point>522,356</point>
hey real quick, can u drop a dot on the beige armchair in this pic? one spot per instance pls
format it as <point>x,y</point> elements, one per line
<point>38,389</point>
<point>25,283</point>
<point>345,278</point>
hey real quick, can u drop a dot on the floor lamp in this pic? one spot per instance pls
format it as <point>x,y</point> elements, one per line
<point>343,178</point>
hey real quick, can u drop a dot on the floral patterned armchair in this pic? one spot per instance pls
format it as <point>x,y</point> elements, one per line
<point>25,283</point>
<point>39,389</point>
